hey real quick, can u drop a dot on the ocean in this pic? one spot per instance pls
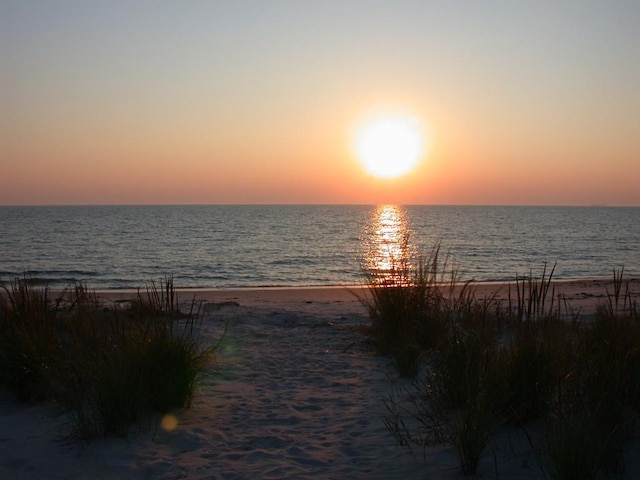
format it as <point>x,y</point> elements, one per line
<point>128,247</point>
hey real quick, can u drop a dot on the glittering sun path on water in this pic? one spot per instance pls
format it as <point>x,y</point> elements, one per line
<point>308,245</point>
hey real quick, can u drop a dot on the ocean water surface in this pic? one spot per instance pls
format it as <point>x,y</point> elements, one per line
<point>116,247</point>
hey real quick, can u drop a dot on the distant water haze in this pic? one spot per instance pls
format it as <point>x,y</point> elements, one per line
<point>111,247</point>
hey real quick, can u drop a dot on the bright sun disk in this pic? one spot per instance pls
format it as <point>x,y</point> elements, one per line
<point>389,146</point>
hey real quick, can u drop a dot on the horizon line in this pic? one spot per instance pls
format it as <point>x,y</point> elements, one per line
<point>321,204</point>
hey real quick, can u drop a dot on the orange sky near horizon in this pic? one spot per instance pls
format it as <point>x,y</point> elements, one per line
<point>114,103</point>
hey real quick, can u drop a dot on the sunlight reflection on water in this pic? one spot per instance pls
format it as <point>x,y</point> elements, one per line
<point>387,245</point>
<point>238,246</point>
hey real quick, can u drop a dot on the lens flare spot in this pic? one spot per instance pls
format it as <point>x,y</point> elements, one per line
<point>169,422</point>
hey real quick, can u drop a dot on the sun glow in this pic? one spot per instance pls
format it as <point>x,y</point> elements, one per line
<point>389,146</point>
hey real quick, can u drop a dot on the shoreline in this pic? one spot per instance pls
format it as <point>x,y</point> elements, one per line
<point>589,278</point>
<point>581,294</point>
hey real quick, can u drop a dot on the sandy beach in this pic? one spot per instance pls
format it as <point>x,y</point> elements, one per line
<point>294,392</point>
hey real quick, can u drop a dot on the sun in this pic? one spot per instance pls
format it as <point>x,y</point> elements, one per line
<point>389,146</point>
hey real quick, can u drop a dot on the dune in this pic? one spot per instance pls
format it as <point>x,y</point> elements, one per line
<point>294,392</point>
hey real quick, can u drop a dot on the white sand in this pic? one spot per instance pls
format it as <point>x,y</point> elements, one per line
<point>294,393</point>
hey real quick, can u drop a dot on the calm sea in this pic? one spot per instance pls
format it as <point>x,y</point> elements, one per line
<point>255,246</point>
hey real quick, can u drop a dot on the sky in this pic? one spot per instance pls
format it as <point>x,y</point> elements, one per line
<point>249,102</point>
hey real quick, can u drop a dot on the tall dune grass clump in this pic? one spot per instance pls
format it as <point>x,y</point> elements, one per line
<point>535,298</point>
<point>468,385</point>
<point>529,361</point>
<point>455,401</point>
<point>535,349</point>
<point>406,306</point>
<point>108,367</point>
<point>27,327</point>
<point>598,401</point>
<point>420,307</point>
<point>157,299</point>
<point>152,366</point>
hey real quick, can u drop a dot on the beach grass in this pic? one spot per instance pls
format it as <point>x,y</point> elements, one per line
<point>478,364</point>
<point>597,404</point>
<point>107,367</point>
<point>523,361</point>
<point>406,307</point>
<point>27,324</point>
